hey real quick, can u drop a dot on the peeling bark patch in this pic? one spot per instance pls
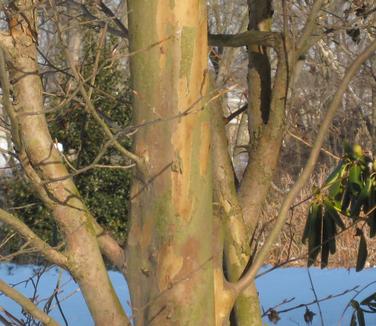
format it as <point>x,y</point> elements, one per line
<point>181,182</point>
<point>189,251</point>
<point>204,148</point>
<point>188,36</point>
<point>182,199</point>
<point>169,265</point>
<point>147,233</point>
<point>191,272</point>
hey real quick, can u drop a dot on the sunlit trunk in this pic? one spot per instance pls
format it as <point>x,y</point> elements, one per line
<point>169,245</point>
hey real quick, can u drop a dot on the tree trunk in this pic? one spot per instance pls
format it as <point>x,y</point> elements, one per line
<point>266,106</point>
<point>169,244</point>
<point>237,251</point>
<point>259,107</point>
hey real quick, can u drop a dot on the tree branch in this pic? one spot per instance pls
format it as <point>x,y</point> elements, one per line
<point>26,304</point>
<point>305,40</point>
<point>236,113</point>
<point>108,12</point>
<point>85,12</point>
<point>46,250</point>
<point>270,39</point>
<point>309,167</point>
<point>112,251</point>
<point>300,139</point>
<point>91,109</point>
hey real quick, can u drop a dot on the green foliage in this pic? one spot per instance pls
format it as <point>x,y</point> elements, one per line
<point>19,194</point>
<point>104,190</point>
<point>349,192</point>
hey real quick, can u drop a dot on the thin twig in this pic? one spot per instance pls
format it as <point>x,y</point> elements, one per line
<point>310,145</point>
<point>315,295</point>
<point>329,297</point>
<point>27,305</point>
<point>16,224</point>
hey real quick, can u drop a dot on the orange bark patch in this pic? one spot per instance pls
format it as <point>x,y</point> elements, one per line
<point>189,252</point>
<point>147,233</point>
<point>141,234</point>
<point>190,271</point>
<point>181,196</point>
<point>169,265</point>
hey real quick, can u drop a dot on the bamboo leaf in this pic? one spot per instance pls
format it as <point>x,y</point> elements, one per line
<point>334,181</point>
<point>371,204</point>
<point>332,239</point>
<point>371,220</point>
<point>314,239</point>
<point>355,181</point>
<point>369,299</point>
<point>336,190</point>
<point>307,225</point>
<point>346,199</point>
<point>333,214</point>
<point>336,173</point>
<point>362,252</point>
<point>361,199</point>
<point>327,239</point>
<point>360,315</point>
<point>353,319</point>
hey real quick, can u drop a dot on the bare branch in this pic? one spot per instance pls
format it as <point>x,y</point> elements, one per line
<point>309,167</point>
<point>91,109</point>
<point>16,224</point>
<point>121,32</point>
<point>112,250</point>
<point>305,41</point>
<point>312,302</point>
<point>300,139</point>
<point>26,304</point>
<point>108,12</point>
<point>236,113</point>
<point>246,38</point>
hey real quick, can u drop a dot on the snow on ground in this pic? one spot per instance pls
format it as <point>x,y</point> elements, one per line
<point>274,288</point>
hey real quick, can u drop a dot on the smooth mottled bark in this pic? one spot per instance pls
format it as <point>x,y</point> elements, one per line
<point>170,241</point>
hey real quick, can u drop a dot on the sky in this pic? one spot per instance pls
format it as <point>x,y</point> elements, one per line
<point>290,284</point>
